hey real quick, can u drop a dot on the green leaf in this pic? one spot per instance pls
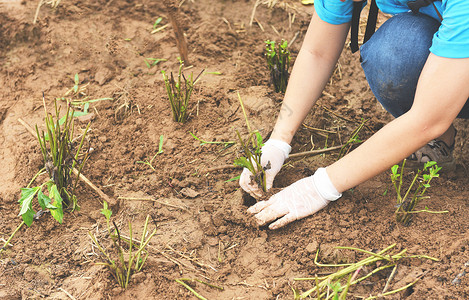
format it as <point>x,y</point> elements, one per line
<point>77,81</point>
<point>234,178</point>
<point>105,211</point>
<point>244,162</point>
<point>26,211</point>
<point>147,63</point>
<point>74,114</point>
<point>394,169</point>
<point>44,201</point>
<point>158,21</point>
<point>259,139</point>
<point>160,146</point>
<point>28,216</point>
<point>27,196</point>
<point>58,212</point>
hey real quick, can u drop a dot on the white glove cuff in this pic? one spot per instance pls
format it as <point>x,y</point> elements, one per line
<point>280,145</point>
<point>324,185</point>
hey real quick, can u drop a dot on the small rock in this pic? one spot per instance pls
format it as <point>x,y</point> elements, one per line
<point>103,76</point>
<point>188,192</point>
<point>311,247</point>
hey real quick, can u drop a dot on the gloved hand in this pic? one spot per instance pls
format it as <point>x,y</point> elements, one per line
<point>301,199</point>
<point>273,151</point>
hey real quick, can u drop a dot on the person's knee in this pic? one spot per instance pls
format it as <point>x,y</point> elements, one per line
<point>394,57</point>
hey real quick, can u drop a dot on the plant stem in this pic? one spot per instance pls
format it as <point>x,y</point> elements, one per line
<point>11,237</point>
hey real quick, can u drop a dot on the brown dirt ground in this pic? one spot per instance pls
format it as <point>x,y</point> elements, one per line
<point>204,233</point>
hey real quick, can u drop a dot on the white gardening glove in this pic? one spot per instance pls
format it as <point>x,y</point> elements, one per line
<point>273,151</point>
<point>301,199</point>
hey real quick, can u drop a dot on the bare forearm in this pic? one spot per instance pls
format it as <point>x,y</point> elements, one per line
<point>313,67</point>
<point>308,78</point>
<point>441,93</point>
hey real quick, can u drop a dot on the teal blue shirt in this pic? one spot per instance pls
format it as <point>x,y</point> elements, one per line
<point>451,40</point>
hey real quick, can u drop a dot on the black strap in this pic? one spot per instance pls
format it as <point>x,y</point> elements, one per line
<point>370,26</point>
<point>414,5</point>
<point>357,8</point>
<point>372,18</point>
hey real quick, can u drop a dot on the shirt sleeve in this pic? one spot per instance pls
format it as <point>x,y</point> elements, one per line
<point>334,11</point>
<point>452,38</point>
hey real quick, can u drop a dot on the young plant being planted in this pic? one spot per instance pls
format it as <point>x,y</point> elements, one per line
<point>415,192</point>
<point>61,155</point>
<point>278,60</point>
<point>179,92</point>
<point>251,148</point>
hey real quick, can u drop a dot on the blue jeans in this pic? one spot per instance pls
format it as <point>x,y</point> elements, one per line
<point>394,58</point>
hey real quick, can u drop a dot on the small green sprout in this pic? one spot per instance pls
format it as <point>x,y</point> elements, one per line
<point>150,162</point>
<point>157,21</point>
<point>406,204</point>
<point>151,62</point>
<point>179,92</point>
<point>278,60</point>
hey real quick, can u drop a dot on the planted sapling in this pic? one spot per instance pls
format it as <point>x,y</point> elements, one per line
<point>61,155</point>
<point>179,91</point>
<point>415,192</point>
<point>252,153</point>
<point>278,60</point>
<point>129,260</point>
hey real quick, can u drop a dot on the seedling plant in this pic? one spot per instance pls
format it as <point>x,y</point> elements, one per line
<point>151,62</point>
<point>150,162</point>
<point>60,156</point>
<point>78,98</point>
<point>131,254</point>
<point>252,153</point>
<point>179,92</point>
<point>278,61</point>
<point>336,285</point>
<point>415,192</point>
<point>353,140</point>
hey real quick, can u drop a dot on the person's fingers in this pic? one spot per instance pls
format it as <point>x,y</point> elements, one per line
<point>245,180</point>
<point>283,221</point>
<point>273,209</point>
<point>247,184</point>
<point>257,207</point>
